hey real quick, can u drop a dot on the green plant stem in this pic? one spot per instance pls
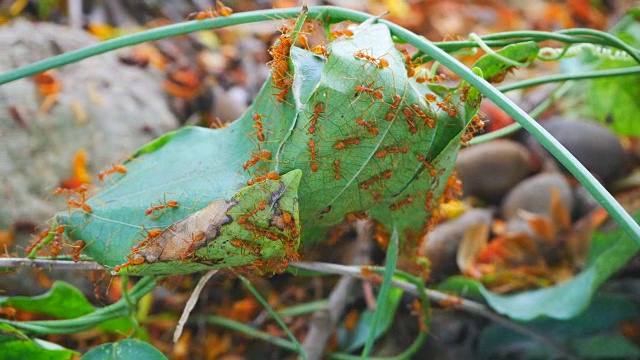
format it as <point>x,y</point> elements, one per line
<point>276,317</point>
<point>559,152</point>
<point>50,264</point>
<point>286,344</point>
<point>250,331</point>
<point>635,53</point>
<point>566,77</point>
<point>321,13</point>
<point>305,308</point>
<point>469,306</point>
<point>381,301</point>
<point>45,241</point>
<point>512,128</point>
<point>432,50</point>
<point>118,309</point>
<point>406,354</point>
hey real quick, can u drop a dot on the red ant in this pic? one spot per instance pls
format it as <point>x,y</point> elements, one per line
<point>80,204</point>
<point>432,170</point>
<point>382,153</point>
<point>407,59</point>
<point>220,10</point>
<point>385,175</point>
<point>427,121</point>
<point>408,114</point>
<point>257,118</point>
<point>151,234</point>
<point>375,92</point>
<point>312,147</point>
<point>49,87</point>
<point>379,62</point>
<point>114,168</point>
<point>189,250</point>
<point>401,203</point>
<point>272,175</point>
<point>81,191</point>
<point>280,66</point>
<point>342,144</point>
<point>339,33</point>
<point>41,237</point>
<point>317,110</point>
<point>136,260</point>
<point>391,114</point>
<point>236,243</point>
<point>166,204</point>
<point>78,246</point>
<point>260,155</point>
<point>336,168</point>
<point>320,50</point>
<point>243,219</point>
<point>373,130</point>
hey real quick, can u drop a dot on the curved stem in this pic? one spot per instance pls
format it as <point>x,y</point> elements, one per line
<point>549,142</point>
<point>275,316</point>
<point>565,77</point>
<point>321,13</point>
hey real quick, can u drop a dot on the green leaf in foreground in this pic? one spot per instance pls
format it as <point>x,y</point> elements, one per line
<point>124,349</point>
<point>609,252</point>
<point>350,136</point>
<point>14,344</point>
<point>382,300</point>
<point>603,316</point>
<point>62,301</point>
<point>614,101</point>
<point>353,341</point>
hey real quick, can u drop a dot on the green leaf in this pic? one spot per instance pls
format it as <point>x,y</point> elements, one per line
<point>494,69</point>
<point>337,150</point>
<point>124,349</point>
<point>614,100</point>
<point>14,344</point>
<point>62,301</point>
<point>353,341</point>
<point>619,111</point>
<point>603,315</point>
<point>609,252</point>
<point>382,300</point>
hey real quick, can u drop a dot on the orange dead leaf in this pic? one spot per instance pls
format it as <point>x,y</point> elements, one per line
<point>80,175</point>
<point>559,212</point>
<point>181,350</point>
<point>244,310</point>
<point>7,237</point>
<point>217,345</point>
<point>473,241</point>
<point>351,320</point>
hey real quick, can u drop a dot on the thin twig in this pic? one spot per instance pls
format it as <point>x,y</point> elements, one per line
<point>49,264</point>
<point>193,299</point>
<point>325,320</point>
<point>437,296</point>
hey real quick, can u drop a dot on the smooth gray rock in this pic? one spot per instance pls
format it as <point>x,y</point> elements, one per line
<point>488,171</point>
